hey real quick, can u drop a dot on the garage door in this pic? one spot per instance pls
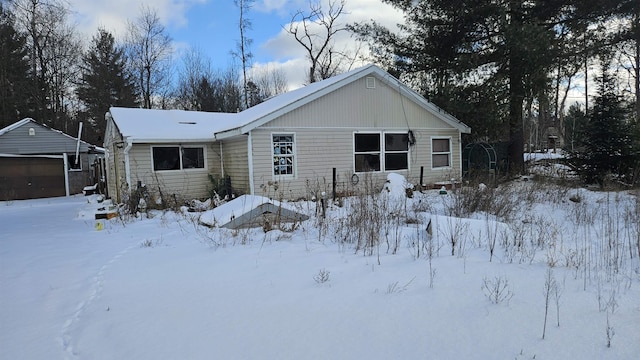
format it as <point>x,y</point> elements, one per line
<point>31,178</point>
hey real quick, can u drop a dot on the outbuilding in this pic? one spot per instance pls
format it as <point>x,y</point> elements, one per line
<point>37,161</point>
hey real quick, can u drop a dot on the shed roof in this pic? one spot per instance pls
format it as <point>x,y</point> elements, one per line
<point>145,125</point>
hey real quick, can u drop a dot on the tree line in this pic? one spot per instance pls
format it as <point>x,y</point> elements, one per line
<point>504,67</point>
<point>49,74</point>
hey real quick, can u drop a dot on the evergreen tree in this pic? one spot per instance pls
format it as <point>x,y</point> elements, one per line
<point>483,61</point>
<point>607,146</point>
<point>14,72</point>
<point>105,82</point>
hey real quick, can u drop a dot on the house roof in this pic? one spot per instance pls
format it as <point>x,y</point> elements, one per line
<point>151,125</point>
<point>144,125</point>
<point>32,122</point>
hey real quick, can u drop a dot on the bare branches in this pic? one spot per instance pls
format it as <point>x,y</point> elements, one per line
<point>316,30</point>
<point>150,50</point>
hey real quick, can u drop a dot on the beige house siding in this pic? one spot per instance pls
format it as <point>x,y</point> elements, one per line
<point>115,163</point>
<point>324,139</point>
<point>182,184</point>
<point>318,151</point>
<point>236,163</point>
<point>356,106</point>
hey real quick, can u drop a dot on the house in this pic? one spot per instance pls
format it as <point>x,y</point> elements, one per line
<point>37,161</point>
<point>337,135</point>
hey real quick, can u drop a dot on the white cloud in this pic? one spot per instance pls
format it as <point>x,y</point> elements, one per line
<point>114,14</point>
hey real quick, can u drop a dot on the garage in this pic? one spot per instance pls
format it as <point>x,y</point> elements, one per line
<point>31,177</point>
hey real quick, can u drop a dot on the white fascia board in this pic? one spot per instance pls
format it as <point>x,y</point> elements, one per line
<point>169,141</point>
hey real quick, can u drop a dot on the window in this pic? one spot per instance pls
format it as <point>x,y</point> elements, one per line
<point>370,155</point>
<point>283,154</point>
<point>396,151</point>
<point>367,152</point>
<point>440,153</point>
<point>177,157</point>
<point>71,163</point>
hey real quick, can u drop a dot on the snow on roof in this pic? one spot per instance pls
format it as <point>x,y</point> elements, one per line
<point>170,125</point>
<point>237,207</point>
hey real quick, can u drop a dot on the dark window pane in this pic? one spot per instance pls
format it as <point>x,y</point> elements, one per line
<point>166,158</point>
<point>440,145</point>
<point>440,160</point>
<point>367,162</point>
<point>398,161</point>
<point>396,142</point>
<point>367,142</point>
<point>192,158</point>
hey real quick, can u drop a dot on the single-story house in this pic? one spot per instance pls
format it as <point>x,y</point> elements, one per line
<point>337,135</point>
<point>37,161</point>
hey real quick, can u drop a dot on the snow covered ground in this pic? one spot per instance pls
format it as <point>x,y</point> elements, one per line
<point>167,288</point>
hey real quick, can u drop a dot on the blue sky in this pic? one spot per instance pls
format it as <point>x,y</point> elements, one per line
<point>211,26</point>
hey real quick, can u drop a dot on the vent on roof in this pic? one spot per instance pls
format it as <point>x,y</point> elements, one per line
<point>187,122</point>
<point>371,82</point>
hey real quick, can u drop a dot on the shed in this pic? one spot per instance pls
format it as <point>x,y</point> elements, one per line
<point>336,135</point>
<point>37,161</point>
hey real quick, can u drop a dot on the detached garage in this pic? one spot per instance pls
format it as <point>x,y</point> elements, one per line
<point>37,161</point>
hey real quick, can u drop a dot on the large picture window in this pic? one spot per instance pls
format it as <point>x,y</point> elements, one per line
<point>177,158</point>
<point>283,154</point>
<point>440,153</point>
<point>376,152</point>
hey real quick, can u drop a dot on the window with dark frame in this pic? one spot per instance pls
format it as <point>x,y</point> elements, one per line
<point>440,153</point>
<point>176,158</point>
<point>192,158</point>
<point>367,152</point>
<point>283,154</point>
<point>396,151</point>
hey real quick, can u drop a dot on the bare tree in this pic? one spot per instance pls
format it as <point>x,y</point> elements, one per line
<point>54,50</point>
<point>196,69</point>
<point>150,50</point>
<point>244,43</point>
<point>316,31</point>
<point>270,81</point>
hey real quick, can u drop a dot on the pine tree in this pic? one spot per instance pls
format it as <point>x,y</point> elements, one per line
<point>607,142</point>
<point>105,82</point>
<point>14,72</point>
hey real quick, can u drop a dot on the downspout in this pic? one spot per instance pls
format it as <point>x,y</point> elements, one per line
<point>66,173</point>
<point>221,161</point>
<point>250,160</point>
<point>127,170</point>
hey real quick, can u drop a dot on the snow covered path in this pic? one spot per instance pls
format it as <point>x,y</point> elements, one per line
<point>49,268</point>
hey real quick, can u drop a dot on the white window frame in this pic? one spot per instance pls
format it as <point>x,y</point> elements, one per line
<point>180,152</point>
<point>385,151</point>
<point>449,153</point>
<point>280,157</point>
<point>382,152</point>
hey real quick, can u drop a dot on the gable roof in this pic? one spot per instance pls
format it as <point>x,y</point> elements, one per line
<point>61,138</point>
<point>196,126</point>
<point>264,112</point>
